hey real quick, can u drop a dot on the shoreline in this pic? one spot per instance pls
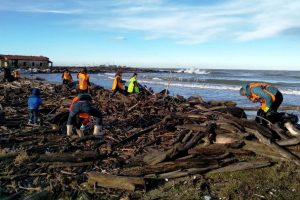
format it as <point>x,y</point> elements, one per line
<point>99,69</point>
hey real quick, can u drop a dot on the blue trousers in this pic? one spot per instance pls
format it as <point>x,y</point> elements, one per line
<point>84,107</point>
<point>33,115</point>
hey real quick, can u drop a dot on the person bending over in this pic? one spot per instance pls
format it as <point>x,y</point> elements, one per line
<point>269,97</point>
<point>82,104</point>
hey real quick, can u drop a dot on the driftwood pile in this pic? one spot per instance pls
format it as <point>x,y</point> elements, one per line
<point>148,138</point>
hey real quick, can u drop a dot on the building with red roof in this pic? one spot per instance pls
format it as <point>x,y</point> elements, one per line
<point>20,61</point>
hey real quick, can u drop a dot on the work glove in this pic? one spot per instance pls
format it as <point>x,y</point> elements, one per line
<point>266,109</point>
<point>261,115</point>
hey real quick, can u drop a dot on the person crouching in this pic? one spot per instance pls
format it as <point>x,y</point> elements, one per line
<point>82,104</point>
<point>118,83</point>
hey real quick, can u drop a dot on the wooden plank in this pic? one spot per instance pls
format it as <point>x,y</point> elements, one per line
<point>117,182</point>
<point>181,173</point>
<point>241,166</point>
<point>168,166</point>
<point>69,157</point>
<point>257,130</point>
<point>280,108</point>
<point>289,142</point>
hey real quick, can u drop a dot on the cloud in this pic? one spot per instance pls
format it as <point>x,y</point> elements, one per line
<point>36,6</point>
<point>120,38</point>
<point>273,19</point>
<point>190,22</point>
<point>37,10</point>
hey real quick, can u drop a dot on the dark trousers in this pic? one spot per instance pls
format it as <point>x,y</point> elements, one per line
<point>7,75</point>
<point>66,82</point>
<point>277,102</point>
<point>33,115</point>
<point>272,115</point>
<point>84,107</point>
<point>120,90</point>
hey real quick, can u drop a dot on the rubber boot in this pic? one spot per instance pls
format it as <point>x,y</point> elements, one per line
<point>98,130</point>
<point>69,130</point>
<point>79,132</point>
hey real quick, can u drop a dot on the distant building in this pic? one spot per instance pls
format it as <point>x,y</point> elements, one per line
<point>17,61</point>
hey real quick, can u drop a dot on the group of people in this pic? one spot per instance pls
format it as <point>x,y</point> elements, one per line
<point>118,84</point>
<point>269,97</point>
<point>81,104</point>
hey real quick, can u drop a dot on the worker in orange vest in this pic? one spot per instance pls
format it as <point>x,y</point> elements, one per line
<point>118,83</point>
<point>269,97</point>
<point>83,81</point>
<point>67,77</point>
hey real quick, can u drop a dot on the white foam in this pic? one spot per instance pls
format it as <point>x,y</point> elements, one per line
<point>155,78</point>
<point>110,74</point>
<point>292,92</point>
<point>192,71</point>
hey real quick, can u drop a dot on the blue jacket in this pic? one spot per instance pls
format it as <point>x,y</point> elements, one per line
<point>34,101</point>
<point>259,91</point>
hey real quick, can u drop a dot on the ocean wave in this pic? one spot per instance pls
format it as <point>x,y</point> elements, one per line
<point>213,87</point>
<point>107,75</point>
<point>292,92</point>
<point>224,80</point>
<point>110,74</point>
<point>199,80</point>
<point>200,86</point>
<point>192,71</point>
<point>158,79</point>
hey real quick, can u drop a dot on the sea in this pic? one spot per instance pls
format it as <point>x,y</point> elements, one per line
<point>210,84</point>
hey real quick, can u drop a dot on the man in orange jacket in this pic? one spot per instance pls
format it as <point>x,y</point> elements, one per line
<point>83,81</point>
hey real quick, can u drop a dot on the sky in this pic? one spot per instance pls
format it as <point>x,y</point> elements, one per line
<point>227,34</point>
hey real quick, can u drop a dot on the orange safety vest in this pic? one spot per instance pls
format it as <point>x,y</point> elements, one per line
<point>117,83</point>
<point>83,81</point>
<point>254,97</point>
<point>67,76</point>
<point>81,115</point>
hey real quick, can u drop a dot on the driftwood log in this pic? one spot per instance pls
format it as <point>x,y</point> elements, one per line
<point>117,182</point>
